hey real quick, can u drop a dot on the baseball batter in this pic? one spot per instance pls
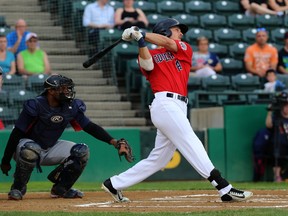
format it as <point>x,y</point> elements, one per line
<point>167,69</point>
<point>34,141</point>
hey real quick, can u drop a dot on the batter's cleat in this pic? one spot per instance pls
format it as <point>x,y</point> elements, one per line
<point>15,194</point>
<point>116,194</point>
<point>70,194</point>
<point>235,195</point>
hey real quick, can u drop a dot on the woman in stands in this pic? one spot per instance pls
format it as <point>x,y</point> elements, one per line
<point>7,58</point>
<point>278,5</point>
<point>258,7</point>
<point>129,16</point>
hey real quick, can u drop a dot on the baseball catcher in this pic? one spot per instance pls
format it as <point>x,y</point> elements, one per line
<point>34,141</point>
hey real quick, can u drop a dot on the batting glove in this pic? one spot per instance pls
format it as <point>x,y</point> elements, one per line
<point>126,35</point>
<point>136,34</point>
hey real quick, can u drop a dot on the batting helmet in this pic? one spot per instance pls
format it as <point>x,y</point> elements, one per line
<point>56,82</point>
<point>163,27</point>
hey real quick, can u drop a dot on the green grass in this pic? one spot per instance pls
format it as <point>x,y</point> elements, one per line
<point>163,185</point>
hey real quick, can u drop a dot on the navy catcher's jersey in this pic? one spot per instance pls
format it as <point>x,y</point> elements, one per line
<point>45,124</point>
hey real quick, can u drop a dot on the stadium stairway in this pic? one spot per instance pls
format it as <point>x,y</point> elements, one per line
<point>106,105</point>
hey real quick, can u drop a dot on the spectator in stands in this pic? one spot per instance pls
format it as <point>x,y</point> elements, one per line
<point>258,7</point>
<point>278,5</point>
<point>277,120</point>
<point>16,39</point>
<point>272,84</point>
<point>129,16</point>
<point>204,63</point>
<point>260,56</point>
<point>98,15</point>
<point>1,80</point>
<point>283,57</point>
<point>33,60</point>
<point>7,58</point>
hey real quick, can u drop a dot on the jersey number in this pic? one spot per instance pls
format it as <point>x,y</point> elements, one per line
<point>178,65</point>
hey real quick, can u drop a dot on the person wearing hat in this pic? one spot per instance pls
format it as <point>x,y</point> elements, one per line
<point>283,57</point>
<point>33,60</point>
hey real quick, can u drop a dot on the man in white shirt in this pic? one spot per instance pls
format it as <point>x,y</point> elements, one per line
<point>97,15</point>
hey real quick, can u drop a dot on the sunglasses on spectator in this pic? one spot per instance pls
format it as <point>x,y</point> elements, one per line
<point>260,29</point>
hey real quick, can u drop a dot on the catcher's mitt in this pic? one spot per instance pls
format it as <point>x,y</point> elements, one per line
<point>124,149</point>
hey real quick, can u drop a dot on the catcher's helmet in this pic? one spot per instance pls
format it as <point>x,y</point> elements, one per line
<point>163,27</point>
<point>58,82</point>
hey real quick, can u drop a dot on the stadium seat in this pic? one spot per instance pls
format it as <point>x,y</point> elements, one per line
<point>170,8</point>
<point>2,21</point>
<point>146,96</point>
<point>232,66</point>
<point>116,4</point>
<point>227,36</point>
<point>5,30</point>
<point>212,21</point>
<point>226,7</point>
<point>13,82</point>
<point>276,45</point>
<point>146,7</point>
<point>240,21</point>
<point>249,35</point>
<point>220,49</point>
<point>187,19</point>
<point>8,115</point>
<point>268,21</point>
<point>4,98</point>
<point>154,18</point>
<point>122,53</point>
<point>133,77</point>
<point>216,83</point>
<point>35,82</point>
<point>194,83</point>
<point>237,50</point>
<point>18,97</point>
<point>245,82</point>
<point>283,78</point>
<point>198,7</point>
<point>110,35</point>
<point>277,35</point>
<point>193,33</point>
<point>76,18</point>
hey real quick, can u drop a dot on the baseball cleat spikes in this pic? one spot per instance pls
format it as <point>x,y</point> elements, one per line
<point>235,195</point>
<point>15,194</point>
<point>116,194</point>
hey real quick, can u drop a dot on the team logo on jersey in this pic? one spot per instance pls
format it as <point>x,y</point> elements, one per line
<point>56,119</point>
<point>163,57</point>
<point>183,45</point>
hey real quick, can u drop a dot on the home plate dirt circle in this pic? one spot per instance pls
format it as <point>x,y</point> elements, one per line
<point>145,201</point>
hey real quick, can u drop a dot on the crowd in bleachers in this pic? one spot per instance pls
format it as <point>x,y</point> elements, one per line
<point>229,26</point>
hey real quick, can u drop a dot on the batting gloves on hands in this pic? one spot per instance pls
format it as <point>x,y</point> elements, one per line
<point>126,35</point>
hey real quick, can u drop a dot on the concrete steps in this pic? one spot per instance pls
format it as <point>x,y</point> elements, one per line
<point>109,114</point>
<point>110,105</point>
<point>91,74</point>
<point>98,97</point>
<point>120,122</point>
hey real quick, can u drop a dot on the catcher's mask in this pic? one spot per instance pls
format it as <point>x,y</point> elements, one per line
<point>63,85</point>
<point>163,27</point>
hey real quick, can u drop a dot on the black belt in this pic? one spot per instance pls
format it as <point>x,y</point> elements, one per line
<point>179,97</point>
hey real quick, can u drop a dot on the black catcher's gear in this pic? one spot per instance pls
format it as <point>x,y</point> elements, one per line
<point>67,173</point>
<point>163,27</point>
<point>60,83</point>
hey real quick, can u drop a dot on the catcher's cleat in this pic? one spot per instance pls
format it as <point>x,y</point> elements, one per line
<point>15,194</point>
<point>116,194</point>
<point>70,194</point>
<point>235,195</point>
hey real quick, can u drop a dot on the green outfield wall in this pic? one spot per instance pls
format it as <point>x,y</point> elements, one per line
<point>230,149</point>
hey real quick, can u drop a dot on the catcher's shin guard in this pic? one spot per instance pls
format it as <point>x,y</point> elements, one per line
<point>67,173</point>
<point>28,158</point>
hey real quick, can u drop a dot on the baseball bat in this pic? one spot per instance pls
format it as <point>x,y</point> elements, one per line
<point>93,59</point>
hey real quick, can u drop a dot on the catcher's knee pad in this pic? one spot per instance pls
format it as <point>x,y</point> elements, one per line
<point>29,153</point>
<point>216,179</point>
<point>81,152</point>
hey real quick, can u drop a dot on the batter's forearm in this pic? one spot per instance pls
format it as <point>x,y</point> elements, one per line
<point>161,40</point>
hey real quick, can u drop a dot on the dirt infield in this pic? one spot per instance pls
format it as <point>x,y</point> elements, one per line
<point>145,201</point>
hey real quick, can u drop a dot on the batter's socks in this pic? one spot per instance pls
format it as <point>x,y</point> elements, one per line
<point>221,184</point>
